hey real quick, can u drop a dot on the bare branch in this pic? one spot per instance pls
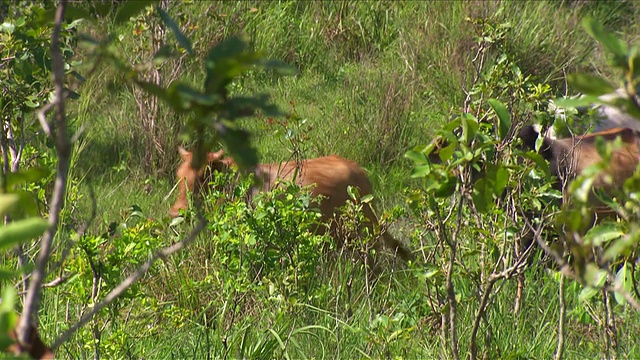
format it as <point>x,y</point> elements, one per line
<point>561,319</point>
<point>449,287</point>
<point>132,278</point>
<point>486,293</point>
<point>57,281</point>
<point>32,301</point>
<point>42,117</point>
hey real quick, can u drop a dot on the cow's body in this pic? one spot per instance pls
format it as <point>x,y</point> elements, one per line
<point>568,157</point>
<point>329,176</point>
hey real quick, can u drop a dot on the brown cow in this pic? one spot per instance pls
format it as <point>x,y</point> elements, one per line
<point>36,349</point>
<point>330,175</point>
<point>568,157</point>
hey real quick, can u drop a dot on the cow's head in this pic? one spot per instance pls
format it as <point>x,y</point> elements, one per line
<point>568,157</point>
<point>529,135</point>
<point>190,179</point>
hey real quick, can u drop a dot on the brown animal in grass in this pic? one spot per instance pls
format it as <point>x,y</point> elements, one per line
<point>36,348</point>
<point>330,177</point>
<point>568,157</point>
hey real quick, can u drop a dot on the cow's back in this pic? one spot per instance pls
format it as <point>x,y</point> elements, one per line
<point>329,177</point>
<point>583,153</point>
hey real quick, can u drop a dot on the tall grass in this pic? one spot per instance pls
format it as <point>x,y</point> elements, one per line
<point>379,74</point>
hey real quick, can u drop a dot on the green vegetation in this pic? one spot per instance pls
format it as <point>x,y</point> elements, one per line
<point>375,80</point>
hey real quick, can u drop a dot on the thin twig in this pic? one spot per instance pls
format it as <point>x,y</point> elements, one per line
<point>63,146</point>
<point>617,287</point>
<point>42,117</point>
<point>490,282</point>
<point>451,295</point>
<point>57,281</point>
<point>132,278</point>
<point>561,320</point>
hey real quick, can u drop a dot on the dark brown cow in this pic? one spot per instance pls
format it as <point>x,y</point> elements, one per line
<point>36,349</point>
<point>330,175</point>
<point>570,156</point>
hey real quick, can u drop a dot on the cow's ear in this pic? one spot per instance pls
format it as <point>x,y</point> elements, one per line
<point>528,135</point>
<point>184,154</point>
<point>215,156</point>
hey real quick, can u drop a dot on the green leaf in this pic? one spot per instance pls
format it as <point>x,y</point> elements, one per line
<point>281,67</point>
<point>175,95</point>
<point>192,96</point>
<point>446,188</point>
<point>9,297</point>
<point>504,118</point>
<point>7,201</point>
<point>26,176</point>
<point>623,277</point>
<point>172,98</point>
<point>231,47</point>
<point>8,316</point>
<point>447,152</point>
<point>502,179</point>
<point>582,188</point>
<point>430,273</point>
<point>163,54</point>
<point>587,293</point>
<point>27,204</point>
<point>10,275</point>
<point>478,196</point>
<point>537,159</point>
<point>352,192</point>
<point>578,102</point>
<point>176,221</point>
<point>417,157</point>
<point>30,103</point>
<point>180,37</point>
<point>73,24</point>
<point>594,276</point>
<point>635,63</point>
<point>622,246</point>
<point>366,199</point>
<point>603,233</point>
<point>21,231</point>
<point>590,84</point>
<point>227,60</point>
<point>129,247</point>
<point>243,106</point>
<point>470,126</point>
<point>131,9</point>
<point>5,340</point>
<point>420,171</point>
<point>609,41</point>
<point>451,126</point>
<point>7,27</point>
<point>237,142</point>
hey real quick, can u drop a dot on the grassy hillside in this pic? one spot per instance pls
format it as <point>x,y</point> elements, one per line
<point>374,79</point>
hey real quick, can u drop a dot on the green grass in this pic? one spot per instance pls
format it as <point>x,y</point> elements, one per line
<point>375,79</point>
